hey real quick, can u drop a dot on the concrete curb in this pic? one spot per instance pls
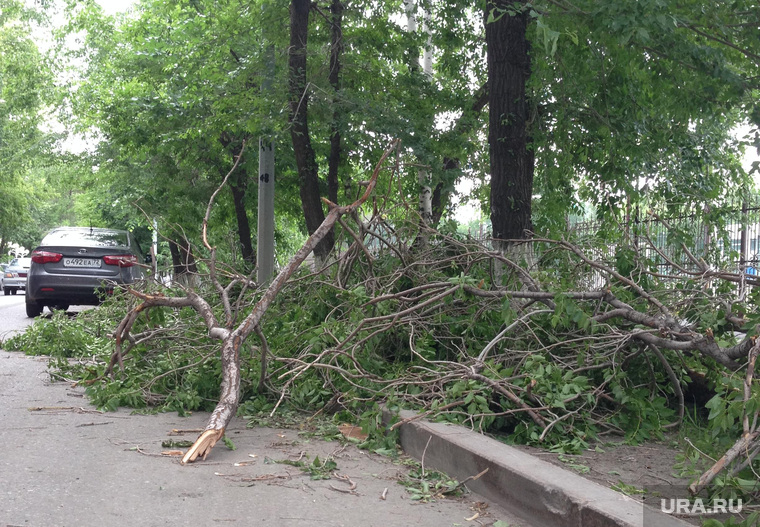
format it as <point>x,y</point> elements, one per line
<point>536,490</point>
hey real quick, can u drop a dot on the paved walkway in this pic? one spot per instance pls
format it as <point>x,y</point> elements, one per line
<point>64,464</point>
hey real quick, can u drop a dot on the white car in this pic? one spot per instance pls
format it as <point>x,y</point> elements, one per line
<point>14,276</point>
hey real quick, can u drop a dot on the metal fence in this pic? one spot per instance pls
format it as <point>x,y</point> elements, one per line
<point>726,236</point>
<point>723,236</point>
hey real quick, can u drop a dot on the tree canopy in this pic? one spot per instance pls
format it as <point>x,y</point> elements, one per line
<point>25,89</point>
<point>625,102</point>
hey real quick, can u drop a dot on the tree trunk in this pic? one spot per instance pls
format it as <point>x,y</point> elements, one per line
<point>183,262</point>
<point>239,189</point>
<point>425,178</point>
<point>511,158</point>
<point>299,129</point>
<point>410,9</point>
<point>336,51</point>
<point>425,193</point>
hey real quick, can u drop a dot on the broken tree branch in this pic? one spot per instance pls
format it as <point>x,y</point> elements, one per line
<point>230,386</point>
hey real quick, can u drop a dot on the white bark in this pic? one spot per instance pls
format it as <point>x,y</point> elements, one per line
<point>154,250</point>
<point>427,55</point>
<point>411,17</point>
<point>424,177</point>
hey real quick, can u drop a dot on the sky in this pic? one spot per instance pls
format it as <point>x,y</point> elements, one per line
<point>751,154</point>
<point>115,6</point>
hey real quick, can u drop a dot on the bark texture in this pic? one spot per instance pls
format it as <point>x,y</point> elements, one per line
<point>512,159</point>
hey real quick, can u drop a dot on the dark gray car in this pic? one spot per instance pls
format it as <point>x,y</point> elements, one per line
<point>79,265</point>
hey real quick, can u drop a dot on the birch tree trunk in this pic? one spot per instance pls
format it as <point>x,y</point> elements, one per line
<point>424,176</point>
<point>425,200</point>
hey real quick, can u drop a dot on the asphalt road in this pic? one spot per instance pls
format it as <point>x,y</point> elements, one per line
<point>12,315</point>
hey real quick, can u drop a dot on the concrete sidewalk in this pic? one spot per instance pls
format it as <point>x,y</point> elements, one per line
<point>64,464</point>
<point>532,488</point>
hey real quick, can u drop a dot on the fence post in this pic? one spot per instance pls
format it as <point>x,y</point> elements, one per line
<point>743,250</point>
<point>707,229</point>
<point>743,238</point>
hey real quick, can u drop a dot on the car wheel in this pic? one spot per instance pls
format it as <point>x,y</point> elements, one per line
<point>6,290</point>
<point>33,309</point>
<point>13,290</point>
<point>58,307</point>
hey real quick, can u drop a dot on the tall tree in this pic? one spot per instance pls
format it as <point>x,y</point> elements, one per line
<point>336,52</point>
<point>299,128</point>
<point>616,100</point>
<point>511,155</point>
<point>239,188</point>
<point>424,177</point>
<point>25,83</point>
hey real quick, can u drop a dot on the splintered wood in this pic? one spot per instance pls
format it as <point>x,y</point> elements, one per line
<point>203,445</point>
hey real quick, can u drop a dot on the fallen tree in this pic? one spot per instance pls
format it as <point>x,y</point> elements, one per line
<point>558,354</point>
<point>231,335</point>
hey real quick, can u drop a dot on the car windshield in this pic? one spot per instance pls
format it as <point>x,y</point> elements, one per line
<point>87,238</point>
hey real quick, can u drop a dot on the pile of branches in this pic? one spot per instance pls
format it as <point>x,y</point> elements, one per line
<point>551,345</point>
<point>533,357</point>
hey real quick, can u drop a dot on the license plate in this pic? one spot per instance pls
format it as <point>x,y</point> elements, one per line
<point>81,262</point>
